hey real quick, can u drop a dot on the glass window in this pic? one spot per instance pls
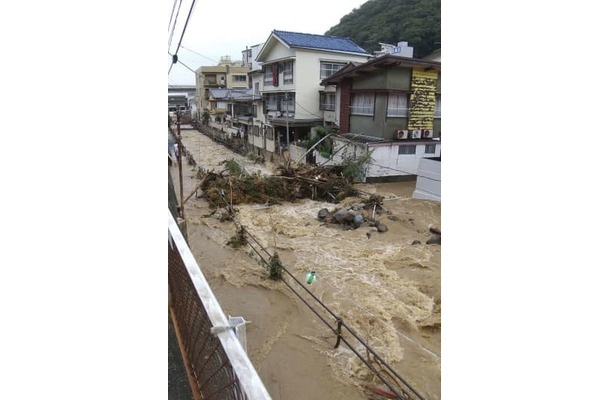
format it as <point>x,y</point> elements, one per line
<point>268,75</point>
<point>329,68</point>
<point>430,149</point>
<point>397,105</point>
<point>363,104</point>
<point>406,149</point>
<point>288,72</point>
<point>327,101</point>
<point>286,102</point>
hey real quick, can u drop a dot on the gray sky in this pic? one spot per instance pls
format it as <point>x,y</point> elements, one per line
<point>214,32</point>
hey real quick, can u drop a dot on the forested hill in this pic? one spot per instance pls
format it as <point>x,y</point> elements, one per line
<point>390,21</point>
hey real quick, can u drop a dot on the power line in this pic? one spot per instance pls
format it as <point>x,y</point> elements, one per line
<point>192,70</point>
<point>188,17</point>
<point>199,54</point>
<point>171,36</point>
<point>171,16</point>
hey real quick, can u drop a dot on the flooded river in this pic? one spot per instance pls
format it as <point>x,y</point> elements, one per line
<point>385,288</point>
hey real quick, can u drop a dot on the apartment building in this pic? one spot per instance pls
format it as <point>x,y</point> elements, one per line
<point>226,75</point>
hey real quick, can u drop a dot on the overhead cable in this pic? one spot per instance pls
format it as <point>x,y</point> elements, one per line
<point>188,17</point>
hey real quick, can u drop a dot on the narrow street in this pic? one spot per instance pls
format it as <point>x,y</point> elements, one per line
<point>384,287</point>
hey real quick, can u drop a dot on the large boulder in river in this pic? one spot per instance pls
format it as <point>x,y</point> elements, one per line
<point>342,214</point>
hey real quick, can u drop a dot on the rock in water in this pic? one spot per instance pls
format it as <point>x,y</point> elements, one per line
<point>415,242</point>
<point>358,220</point>
<point>351,214</point>
<point>434,240</point>
<point>323,213</point>
<point>382,228</point>
<point>341,215</point>
<point>435,230</point>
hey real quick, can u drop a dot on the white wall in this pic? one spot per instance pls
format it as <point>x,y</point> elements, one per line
<point>428,184</point>
<point>389,163</point>
<point>278,52</point>
<point>270,145</point>
<point>385,161</point>
<point>256,141</point>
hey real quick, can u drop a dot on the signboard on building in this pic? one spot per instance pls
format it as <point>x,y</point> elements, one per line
<point>423,85</point>
<point>275,75</point>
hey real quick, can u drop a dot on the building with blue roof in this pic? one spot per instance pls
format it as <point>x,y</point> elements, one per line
<point>319,42</point>
<point>292,99</point>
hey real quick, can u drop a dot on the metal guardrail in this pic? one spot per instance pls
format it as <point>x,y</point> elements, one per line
<point>217,365</point>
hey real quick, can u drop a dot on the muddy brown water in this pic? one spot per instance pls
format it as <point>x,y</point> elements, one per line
<point>386,289</point>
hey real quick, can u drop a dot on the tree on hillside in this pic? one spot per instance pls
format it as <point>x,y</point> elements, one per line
<point>390,21</point>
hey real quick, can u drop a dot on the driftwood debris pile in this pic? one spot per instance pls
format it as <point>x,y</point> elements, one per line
<point>235,186</point>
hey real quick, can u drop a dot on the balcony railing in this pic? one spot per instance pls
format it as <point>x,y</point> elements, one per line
<point>217,365</point>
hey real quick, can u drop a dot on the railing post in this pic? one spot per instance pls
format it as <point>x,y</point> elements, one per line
<point>339,324</point>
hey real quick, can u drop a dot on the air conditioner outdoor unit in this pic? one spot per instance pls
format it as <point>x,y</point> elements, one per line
<point>274,114</point>
<point>400,134</point>
<point>428,133</point>
<point>416,134</point>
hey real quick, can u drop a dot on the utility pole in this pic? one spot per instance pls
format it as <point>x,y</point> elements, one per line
<point>180,164</point>
<point>287,132</point>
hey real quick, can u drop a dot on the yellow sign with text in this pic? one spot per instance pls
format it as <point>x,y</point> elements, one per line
<point>423,85</point>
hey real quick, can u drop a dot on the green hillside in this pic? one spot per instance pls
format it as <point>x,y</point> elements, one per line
<point>390,21</point>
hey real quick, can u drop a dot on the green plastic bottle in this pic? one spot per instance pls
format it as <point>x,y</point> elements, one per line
<point>311,277</point>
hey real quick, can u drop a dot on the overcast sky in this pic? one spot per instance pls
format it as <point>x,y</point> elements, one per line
<point>218,29</point>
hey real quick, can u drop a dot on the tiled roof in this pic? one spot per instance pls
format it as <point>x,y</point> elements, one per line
<point>307,40</point>
<point>233,94</point>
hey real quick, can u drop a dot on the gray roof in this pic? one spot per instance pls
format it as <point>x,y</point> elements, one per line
<point>231,94</point>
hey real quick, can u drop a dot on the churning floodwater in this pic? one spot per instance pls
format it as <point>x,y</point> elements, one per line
<point>381,285</point>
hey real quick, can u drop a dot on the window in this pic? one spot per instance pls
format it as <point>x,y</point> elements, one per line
<point>288,72</point>
<point>209,79</point>
<point>430,149</point>
<point>254,109</point>
<point>397,105</point>
<point>437,106</point>
<point>278,102</point>
<point>286,104</point>
<point>268,75</point>
<point>270,102</point>
<point>327,101</point>
<point>239,78</point>
<point>406,149</point>
<point>329,68</point>
<point>363,104</point>
<point>257,88</point>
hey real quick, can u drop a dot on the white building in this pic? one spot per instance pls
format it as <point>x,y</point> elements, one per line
<point>292,65</point>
